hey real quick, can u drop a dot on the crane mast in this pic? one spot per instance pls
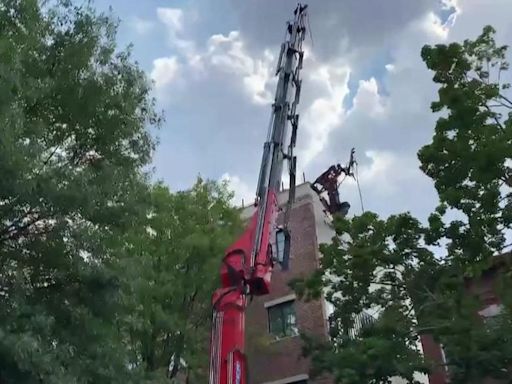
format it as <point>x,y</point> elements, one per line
<point>247,264</point>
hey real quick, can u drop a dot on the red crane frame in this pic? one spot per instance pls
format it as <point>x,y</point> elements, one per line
<point>247,265</point>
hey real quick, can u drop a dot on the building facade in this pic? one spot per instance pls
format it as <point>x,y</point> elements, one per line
<point>274,321</point>
<point>486,289</point>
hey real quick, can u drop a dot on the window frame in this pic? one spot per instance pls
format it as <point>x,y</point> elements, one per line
<point>280,245</point>
<point>286,328</point>
<point>297,379</point>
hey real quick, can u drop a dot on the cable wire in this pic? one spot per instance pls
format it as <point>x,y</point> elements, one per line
<point>359,187</point>
<point>342,180</point>
<point>310,31</point>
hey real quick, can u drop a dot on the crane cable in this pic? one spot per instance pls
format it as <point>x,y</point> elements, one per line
<point>342,180</point>
<point>309,30</point>
<point>356,177</point>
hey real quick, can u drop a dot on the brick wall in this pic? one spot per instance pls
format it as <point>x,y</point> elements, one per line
<point>271,360</point>
<point>485,289</point>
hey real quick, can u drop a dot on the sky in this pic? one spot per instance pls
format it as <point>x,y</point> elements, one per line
<point>364,86</point>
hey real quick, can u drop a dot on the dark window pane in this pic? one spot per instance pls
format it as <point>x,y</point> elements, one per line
<point>280,245</point>
<point>282,320</point>
<point>275,321</point>
<point>290,320</point>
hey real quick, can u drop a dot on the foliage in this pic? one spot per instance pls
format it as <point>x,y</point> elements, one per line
<point>169,273</point>
<point>468,158</point>
<point>104,277</point>
<point>73,141</point>
<point>388,268</point>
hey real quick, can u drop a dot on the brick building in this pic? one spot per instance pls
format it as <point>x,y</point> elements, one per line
<point>273,321</point>
<point>486,289</point>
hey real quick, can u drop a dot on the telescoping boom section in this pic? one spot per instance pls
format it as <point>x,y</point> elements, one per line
<point>247,265</point>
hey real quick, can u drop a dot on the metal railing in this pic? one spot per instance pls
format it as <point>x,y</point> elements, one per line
<point>360,322</point>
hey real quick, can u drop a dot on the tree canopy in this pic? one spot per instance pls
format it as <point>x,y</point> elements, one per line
<point>88,293</point>
<point>169,271</point>
<point>409,278</point>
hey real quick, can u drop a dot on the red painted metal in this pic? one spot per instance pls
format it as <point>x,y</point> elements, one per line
<point>247,264</point>
<point>227,362</point>
<point>238,265</point>
<point>238,274</point>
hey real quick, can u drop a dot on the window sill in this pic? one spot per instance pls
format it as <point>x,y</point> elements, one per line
<point>278,339</point>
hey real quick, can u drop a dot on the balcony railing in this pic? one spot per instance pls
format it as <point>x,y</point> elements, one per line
<point>360,321</point>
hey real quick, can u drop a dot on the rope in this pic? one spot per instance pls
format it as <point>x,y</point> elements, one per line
<point>342,180</point>
<point>359,187</point>
<point>309,30</point>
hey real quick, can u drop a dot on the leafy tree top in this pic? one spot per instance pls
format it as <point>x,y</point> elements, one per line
<point>74,138</point>
<point>387,269</point>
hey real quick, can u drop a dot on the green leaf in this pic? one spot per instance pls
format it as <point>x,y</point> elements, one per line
<point>387,267</point>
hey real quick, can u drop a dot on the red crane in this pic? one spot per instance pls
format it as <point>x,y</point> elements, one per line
<point>247,265</point>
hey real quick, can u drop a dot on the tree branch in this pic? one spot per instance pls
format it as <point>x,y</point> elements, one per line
<point>390,284</point>
<point>485,105</point>
<point>16,233</point>
<point>13,227</point>
<point>175,358</point>
<point>499,105</point>
<point>495,118</point>
<point>507,180</point>
<point>506,99</point>
<point>422,330</point>
<point>45,162</point>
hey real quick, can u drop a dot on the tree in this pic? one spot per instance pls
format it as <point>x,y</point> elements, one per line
<point>388,267</point>
<point>170,276</point>
<point>74,140</point>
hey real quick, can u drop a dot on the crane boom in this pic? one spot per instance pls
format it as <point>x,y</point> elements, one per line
<point>247,264</point>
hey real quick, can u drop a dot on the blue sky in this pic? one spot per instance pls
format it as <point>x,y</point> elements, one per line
<point>364,86</point>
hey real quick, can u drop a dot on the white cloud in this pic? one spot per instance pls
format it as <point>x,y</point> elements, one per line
<point>142,26</point>
<point>228,54</point>
<point>165,70</point>
<point>257,82</point>
<point>390,67</point>
<point>171,17</point>
<point>324,113</point>
<point>174,20</point>
<point>243,193</point>
<point>434,27</point>
<point>231,75</point>
<point>368,99</point>
<point>387,171</point>
<point>389,183</point>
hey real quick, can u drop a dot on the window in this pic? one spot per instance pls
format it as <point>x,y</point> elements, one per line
<point>444,358</point>
<point>492,315</point>
<point>491,311</point>
<point>298,379</point>
<point>280,246</point>
<point>282,320</point>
